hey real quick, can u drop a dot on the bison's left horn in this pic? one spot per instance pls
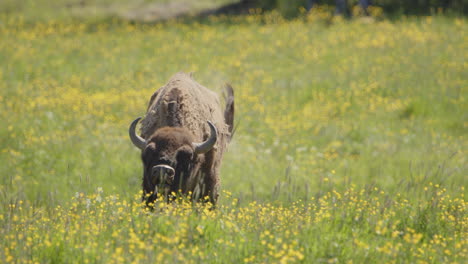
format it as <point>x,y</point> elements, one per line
<point>206,146</point>
<point>138,141</point>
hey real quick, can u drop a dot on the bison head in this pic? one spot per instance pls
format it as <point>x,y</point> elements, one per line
<point>169,157</point>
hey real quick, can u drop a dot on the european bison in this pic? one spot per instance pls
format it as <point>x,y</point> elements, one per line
<point>179,115</point>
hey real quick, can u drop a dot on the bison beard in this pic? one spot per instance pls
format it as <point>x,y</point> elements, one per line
<point>179,115</point>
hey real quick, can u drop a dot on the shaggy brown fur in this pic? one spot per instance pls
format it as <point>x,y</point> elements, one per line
<point>177,115</point>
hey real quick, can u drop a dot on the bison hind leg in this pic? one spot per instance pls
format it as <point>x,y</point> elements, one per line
<point>229,110</point>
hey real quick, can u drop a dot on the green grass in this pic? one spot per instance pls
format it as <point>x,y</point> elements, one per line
<point>351,140</point>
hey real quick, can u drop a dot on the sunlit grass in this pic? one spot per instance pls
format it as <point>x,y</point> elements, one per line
<point>350,147</point>
<point>361,225</point>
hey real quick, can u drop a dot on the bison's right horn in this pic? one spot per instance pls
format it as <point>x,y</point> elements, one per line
<point>138,141</point>
<point>206,146</point>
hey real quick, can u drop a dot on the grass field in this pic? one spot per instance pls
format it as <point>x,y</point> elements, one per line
<point>350,148</point>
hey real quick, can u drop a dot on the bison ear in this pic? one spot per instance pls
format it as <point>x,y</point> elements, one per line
<point>148,152</point>
<point>184,153</point>
<point>151,146</point>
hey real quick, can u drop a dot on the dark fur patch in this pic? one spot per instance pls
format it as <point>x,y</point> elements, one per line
<point>174,98</point>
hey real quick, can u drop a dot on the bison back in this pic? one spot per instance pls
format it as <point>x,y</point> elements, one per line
<point>183,102</point>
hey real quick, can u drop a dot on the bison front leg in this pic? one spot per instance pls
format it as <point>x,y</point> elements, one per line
<point>213,192</point>
<point>205,189</point>
<point>211,187</point>
<point>210,179</point>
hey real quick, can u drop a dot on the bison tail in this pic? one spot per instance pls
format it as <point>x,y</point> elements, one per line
<point>229,110</point>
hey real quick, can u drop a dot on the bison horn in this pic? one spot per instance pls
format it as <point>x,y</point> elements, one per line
<point>206,146</point>
<point>138,141</point>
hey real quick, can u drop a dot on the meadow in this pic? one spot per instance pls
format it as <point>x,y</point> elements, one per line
<point>350,144</point>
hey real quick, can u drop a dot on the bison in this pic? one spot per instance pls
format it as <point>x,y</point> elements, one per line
<point>183,137</point>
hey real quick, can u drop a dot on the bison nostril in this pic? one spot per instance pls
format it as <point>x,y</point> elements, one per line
<point>170,179</point>
<point>162,174</point>
<point>170,175</point>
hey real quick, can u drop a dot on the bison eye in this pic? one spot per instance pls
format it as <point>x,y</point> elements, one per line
<point>184,154</point>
